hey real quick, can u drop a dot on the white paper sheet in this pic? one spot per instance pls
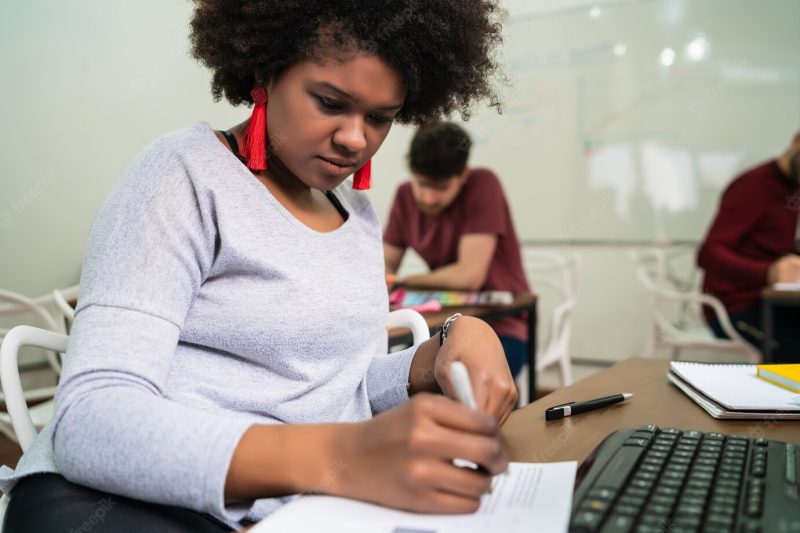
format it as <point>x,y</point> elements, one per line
<point>532,497</point>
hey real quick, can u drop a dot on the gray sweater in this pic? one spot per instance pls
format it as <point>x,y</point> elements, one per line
<point>206,307</point>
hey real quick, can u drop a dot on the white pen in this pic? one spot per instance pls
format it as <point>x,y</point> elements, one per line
<point>459,376</point>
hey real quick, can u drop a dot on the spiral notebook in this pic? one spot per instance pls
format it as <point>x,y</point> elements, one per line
<point>733,391</point>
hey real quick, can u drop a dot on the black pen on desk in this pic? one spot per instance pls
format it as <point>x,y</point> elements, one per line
<point>574,408</point>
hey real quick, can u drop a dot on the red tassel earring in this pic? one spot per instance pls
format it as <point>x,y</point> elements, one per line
<point>362,180</point>
<point>255,138</point>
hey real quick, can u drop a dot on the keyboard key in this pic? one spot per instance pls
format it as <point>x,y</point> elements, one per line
<point>689,521</point>
<point>682,529</point>
<point>656,509</point>
<point>587,520</point>
<point>668,501</point>
<point>633,501</point>
<point>719,520</point>
<point>633,491</point>
<point>602,493</point>
<point>698,484</point>
<point>595,505</point>
<point>696,492</point>
<point>673,474</point>
<point>689,509</point>
<point>791,464</point>
<point>700,475</point>
<point>698,501</point>
<point>662,490</point>
<point>628,510</point>
<point>619,468</point>
<point>676,467</point>
<point>642,484</point>
<point>618,523</point>
<point>726,501</point>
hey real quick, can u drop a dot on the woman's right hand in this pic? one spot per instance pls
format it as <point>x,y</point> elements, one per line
<point>403,458</point>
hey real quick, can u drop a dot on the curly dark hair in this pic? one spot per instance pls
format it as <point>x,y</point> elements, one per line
<point>443,49</point>
<point>439,150</point>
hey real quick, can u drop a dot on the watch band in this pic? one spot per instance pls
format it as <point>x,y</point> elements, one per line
<point>446,326</point>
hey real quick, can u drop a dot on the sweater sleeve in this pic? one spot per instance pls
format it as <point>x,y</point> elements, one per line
<point>387,379</point>
<point>738,213</point>
<point>150,248</point>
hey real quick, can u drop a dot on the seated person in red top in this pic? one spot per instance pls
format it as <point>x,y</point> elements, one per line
<point>751,244</point>
<point>457,219</point>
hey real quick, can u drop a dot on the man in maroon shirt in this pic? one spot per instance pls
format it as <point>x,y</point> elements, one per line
<point>751,244</point>
<point>458,220</point>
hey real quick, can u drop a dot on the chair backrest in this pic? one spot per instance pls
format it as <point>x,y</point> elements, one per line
<point>45,311</point>
<point>670,293</point>
<point>558,272</point>
<point>408,318</point>
<point>9,375</point>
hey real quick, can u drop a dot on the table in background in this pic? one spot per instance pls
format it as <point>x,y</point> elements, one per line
<point>771,298</point>
<point>655,401</point>
<point>523,303</point>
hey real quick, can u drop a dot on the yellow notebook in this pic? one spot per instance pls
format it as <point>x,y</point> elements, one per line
<point>786,376</point>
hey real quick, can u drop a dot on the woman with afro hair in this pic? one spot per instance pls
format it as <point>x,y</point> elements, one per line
<point>229,347</point>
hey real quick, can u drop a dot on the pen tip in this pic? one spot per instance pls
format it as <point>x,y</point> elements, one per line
<point>627,395</point>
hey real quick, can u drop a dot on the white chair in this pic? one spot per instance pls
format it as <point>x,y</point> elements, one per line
<point>551,272</point>
<point>22,419</point>
<point>687,330</point>
<point>408,318</point>
<point>56,315</point>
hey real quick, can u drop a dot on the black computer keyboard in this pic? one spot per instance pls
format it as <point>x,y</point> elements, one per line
<point>667,480</point>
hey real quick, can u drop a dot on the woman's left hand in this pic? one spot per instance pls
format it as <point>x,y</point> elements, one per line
<point>474,343</point>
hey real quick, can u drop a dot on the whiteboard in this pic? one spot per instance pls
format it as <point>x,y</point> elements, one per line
<point>607,136</point>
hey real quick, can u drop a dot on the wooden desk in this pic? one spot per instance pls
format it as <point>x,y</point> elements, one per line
<point>655,401</point>
<point>770,298</point>
<point>523,303</point>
